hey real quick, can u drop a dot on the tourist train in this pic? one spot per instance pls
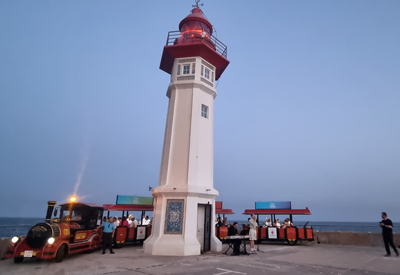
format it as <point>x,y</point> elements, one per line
<point>271,232</point>
<point>72,228</point>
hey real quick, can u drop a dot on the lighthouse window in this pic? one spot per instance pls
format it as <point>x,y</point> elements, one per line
<point>204,111</point>
<point>186,69</point>
<point>207,73</point>
<point>179,70</point>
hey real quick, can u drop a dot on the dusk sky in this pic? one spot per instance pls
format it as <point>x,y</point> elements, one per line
<point>308,110</point>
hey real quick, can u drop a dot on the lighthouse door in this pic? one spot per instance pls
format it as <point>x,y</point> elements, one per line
<point>207,228</point>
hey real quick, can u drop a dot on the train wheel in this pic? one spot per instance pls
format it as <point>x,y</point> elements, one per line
<point>60,253</point>
<point>292,242</point>
<point>18,260</point>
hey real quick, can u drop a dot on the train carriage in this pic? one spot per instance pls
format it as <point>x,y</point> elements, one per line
<point>221,232</point>
<point>291,234</point>
<point>125,234</point>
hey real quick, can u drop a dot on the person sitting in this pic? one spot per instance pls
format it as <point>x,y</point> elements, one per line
<point>225,221</point>
<point>218,223</point>
<point>287,223</point>
<point>232,231</point>
<point>146,221</point>
<point>116,222</point>
<point>277,223</point>
<point>129,219</point>
<point>134,222</point>
<point>124,221</point>
<point>267,222</point>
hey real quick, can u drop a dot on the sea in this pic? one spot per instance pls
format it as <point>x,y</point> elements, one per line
<point>10,227</point>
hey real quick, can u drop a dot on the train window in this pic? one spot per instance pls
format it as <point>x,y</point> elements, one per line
<point>57,212</point>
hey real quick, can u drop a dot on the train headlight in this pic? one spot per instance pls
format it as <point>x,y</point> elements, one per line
<point>51,240</point>
<point>15,239</point>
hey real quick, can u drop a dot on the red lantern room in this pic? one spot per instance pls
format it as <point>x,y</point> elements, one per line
<point>194,38</point>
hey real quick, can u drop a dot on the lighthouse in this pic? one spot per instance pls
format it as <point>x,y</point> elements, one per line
<point>184,201</point>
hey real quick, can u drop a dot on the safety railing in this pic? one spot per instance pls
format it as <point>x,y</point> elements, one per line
<point>174,37</point>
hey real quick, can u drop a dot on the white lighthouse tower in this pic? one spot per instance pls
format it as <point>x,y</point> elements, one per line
<point>184,211</point>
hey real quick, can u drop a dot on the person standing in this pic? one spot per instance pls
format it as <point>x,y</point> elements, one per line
<point>253,232</point>
<point>108,235</point>
<point>387,234</point>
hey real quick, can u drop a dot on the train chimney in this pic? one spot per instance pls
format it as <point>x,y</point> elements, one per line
<point>50,208</point>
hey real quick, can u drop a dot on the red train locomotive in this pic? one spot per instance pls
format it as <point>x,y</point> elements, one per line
<point>72,229</point>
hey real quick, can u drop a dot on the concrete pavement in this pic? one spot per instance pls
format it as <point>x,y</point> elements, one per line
<point>274,259</point>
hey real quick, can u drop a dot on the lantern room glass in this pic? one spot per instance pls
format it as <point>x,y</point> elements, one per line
<point>195,27</point>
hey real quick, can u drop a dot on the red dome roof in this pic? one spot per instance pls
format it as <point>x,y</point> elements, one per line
<point>196,15</point>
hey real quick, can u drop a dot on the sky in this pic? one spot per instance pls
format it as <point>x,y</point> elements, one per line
<point>308,110</point>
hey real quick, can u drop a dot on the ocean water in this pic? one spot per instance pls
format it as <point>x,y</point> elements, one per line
<point>20,226</point>
<point>10,227</point>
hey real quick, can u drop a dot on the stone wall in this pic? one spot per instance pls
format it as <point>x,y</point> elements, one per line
<point>352,238</point>
<point>4,243</point>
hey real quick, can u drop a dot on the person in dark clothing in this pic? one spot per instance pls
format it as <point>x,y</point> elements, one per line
<point>232,231</point>
<point>218,222</point>
<point>387,233</point>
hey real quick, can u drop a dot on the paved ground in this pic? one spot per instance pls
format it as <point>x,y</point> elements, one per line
<point>273,259</point>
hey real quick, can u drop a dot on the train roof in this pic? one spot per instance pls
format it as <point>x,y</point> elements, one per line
<point>122,207</point>
<point>220,210</point>
<point>223,211</point>
<point>93,205</point>
<point>277,211</point>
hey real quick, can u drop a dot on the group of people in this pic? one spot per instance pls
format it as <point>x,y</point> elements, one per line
<point>110,224</point>
<point>232,231</point>
<point>277,223</point>
<point>129,221</point>
<point>224,221</point>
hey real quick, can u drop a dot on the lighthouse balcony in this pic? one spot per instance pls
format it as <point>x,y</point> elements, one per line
<point>192,43</point>
<point>197,36</point>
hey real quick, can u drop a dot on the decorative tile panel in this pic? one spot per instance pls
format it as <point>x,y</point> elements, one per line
<point>174,217</point>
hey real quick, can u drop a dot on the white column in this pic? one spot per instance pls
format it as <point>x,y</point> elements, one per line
<point>187,160</point>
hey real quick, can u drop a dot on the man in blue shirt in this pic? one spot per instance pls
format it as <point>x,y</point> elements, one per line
<point>108,234</point>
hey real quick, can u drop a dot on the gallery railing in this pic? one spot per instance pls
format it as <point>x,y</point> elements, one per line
<point>218,46</point>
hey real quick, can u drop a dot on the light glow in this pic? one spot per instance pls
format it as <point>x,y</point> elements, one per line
<point>51,240</point>
<point>14,239</point>
<point>72,199</point>
<point>198,32</point>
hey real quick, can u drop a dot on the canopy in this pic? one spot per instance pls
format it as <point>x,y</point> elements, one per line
<point>219,210</point>
<point>277,211</point>
<point>223,211</point>
<point>118,207</point>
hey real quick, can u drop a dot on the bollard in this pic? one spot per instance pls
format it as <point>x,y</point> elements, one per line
<point>4,244</point>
